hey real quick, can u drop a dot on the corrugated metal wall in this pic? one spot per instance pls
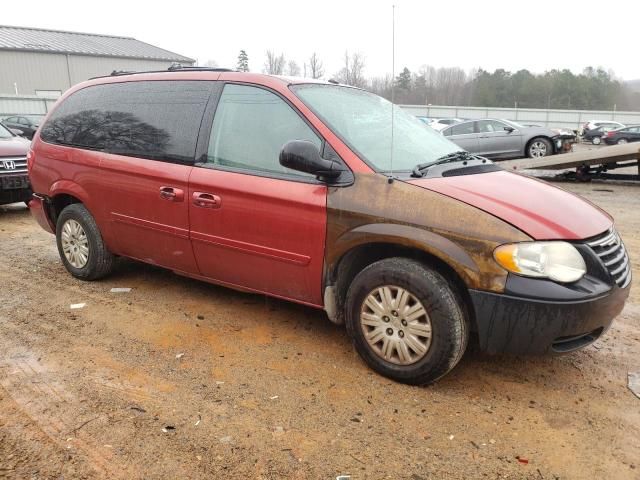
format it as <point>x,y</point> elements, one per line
<point>31,71</point>
<point>24,105</point>
<point>572,119</point>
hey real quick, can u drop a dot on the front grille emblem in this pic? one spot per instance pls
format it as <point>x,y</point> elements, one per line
<point>8,164</point>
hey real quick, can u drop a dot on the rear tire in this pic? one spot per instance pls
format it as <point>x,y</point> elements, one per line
<point>80,244</point>
<point>622,141</point>
<point>412,347</point>
<point>596,140</point>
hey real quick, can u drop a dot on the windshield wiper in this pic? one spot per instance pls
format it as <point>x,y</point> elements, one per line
<point>421,169</point>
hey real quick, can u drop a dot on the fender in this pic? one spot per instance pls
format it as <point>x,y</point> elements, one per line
<point>427,241</point>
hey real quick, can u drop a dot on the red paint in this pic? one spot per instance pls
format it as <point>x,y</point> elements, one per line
<point>268,235</point>
<point>145,205</point>
<point>542,211</point>
<point>37,210</point>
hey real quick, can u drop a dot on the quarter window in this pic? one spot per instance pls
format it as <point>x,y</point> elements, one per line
<point>158,120</point>
<point>250,127</point>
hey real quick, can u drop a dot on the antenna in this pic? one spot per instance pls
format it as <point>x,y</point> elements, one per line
<point>393,82</point>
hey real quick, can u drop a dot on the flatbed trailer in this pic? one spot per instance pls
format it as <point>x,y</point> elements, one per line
<point>588,164</point>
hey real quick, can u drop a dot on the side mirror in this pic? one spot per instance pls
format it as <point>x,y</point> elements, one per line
<point>509,129</point>
<point>304,156</point>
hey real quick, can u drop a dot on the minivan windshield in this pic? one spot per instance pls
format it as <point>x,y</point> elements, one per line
<point>363,121</point>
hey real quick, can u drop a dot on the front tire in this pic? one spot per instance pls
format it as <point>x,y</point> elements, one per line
<point>539,147</point>
<point>80,244</point>
<point>622,141</point>
<point>406,321</point>
<point>596,140</point>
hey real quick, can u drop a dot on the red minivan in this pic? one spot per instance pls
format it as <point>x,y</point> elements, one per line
<point>325,195</point>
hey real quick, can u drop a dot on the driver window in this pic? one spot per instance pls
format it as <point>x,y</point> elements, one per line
<point>250,127</point>
<point>490,126</point>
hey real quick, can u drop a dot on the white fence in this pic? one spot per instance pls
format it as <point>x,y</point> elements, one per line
<point>572,119</point>
<point>24,105</point>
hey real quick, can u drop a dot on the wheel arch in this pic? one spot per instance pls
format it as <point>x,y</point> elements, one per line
<point>532,139</point>
<point>64,193</point>
<point>445,257</point>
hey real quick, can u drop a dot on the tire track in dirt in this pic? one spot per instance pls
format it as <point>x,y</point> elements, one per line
<point>37,394</point>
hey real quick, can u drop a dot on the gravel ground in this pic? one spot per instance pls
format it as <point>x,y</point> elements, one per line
<point>181,379</point>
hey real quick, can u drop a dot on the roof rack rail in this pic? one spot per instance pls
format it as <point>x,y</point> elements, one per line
<point>177,67</point>
<point>172,68</point>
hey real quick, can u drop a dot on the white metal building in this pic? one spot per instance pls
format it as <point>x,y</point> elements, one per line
<point>47,62</point>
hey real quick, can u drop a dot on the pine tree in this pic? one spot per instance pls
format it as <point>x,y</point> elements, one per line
<point>243,62</point>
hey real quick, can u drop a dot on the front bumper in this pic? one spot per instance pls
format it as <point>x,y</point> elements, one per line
<point>523,325</point>
<point>14,188</point>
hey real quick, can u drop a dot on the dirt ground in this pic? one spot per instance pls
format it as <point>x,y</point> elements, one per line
<point>181,379</point>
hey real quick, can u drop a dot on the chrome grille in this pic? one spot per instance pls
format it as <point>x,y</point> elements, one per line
<point>610,249</point>
<point>13,165</point>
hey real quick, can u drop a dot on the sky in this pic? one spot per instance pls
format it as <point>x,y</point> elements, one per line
<point>537,35</point>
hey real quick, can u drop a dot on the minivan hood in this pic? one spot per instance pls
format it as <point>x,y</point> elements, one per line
<point>540,210</point>
<point>14,146</point>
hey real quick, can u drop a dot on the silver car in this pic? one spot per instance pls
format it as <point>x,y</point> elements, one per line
<point>494,138</point>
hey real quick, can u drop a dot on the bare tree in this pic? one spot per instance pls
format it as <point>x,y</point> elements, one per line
<point>315,64</point>
<point>274,64</point>
<point>353,71</point>
<point>293,69</point>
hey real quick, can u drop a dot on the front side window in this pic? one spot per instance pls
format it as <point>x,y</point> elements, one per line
<point>158,120</point>
<point>363,121</point>
<point>250,127</point>
<point>490,126</point>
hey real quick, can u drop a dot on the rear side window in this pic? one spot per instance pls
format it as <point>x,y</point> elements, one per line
<point>250,127</point>
<point>158,120</point>
<point>462,128</point>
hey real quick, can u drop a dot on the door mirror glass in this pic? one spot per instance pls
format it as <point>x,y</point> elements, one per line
<point>304,156</point>
<point>509,129</point>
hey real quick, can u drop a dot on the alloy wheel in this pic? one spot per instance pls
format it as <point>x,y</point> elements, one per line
<point>75,244</point>
<point>538,149</point>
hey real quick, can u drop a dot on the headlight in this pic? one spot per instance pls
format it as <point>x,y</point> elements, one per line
<point>559,261</point>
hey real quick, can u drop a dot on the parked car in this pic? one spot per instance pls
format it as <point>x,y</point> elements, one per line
<point>494,138</point>
<point>28,125</point>
<point>292,189</point>
<point>14,182</point>
<point>591,124</point>
<point>439,124</point>
<point>595,135</point>
<point>622,135</point>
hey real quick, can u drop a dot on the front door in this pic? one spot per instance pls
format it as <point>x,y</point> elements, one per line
<point>254,223</point>
<point>494,140</point>
<point>463,135</point>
